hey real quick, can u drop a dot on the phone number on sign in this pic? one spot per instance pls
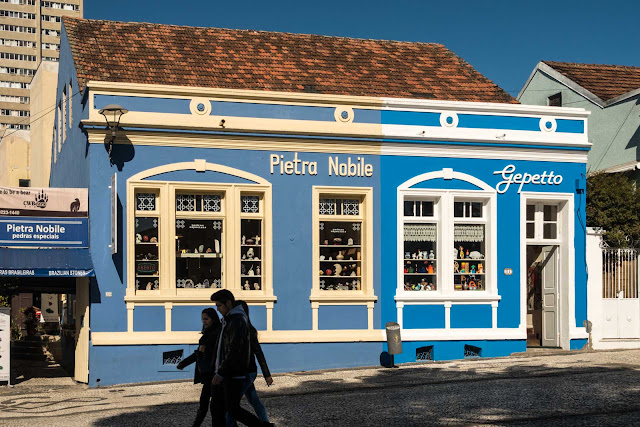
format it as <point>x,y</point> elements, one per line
<point>8,212</point>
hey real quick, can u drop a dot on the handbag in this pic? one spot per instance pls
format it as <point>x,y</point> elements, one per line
<point>203,363</point>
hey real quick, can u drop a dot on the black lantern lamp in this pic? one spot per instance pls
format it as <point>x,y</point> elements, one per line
<point>112,114</point>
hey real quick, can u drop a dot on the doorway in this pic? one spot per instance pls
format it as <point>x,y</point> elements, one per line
<point>542,296</point>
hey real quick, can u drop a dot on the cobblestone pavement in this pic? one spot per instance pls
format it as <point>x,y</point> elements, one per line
<point>568,389</point>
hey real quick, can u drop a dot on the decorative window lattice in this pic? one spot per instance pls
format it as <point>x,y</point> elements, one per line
<point>217,225</point>
<point>211,203</point>
<point>172,357</point>
<point>471,351</point>
<point>468,233</point>
<point>419,232</point>
<point>327,207</point>
<point>350,207</point>
<point>424,353</point>
<point>145,202</point>
<point>180,223</point>
<point>185,202</point>
<point>356,226</point>
<point>250,204</point>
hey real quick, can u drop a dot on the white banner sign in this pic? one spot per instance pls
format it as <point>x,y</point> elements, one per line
<point>49,307</point>
<point>32,201</point>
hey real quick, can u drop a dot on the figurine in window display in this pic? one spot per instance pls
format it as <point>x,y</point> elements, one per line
<point>463,282</point>
<point>431,254</point>
<point>149,286</point>
<point>250,253</point>
<point>326,242</point>
<point>246,285</point>
<point>340,256</point>
<point>154,240</point>
<point>407,286</point>
<point>256,286</point>
<point>461,253</point>
<point>338,269</point>
<point>206,284</point>
<point>216,245</point>
<point>138,238</point>
<point>321,257</point>
<point>480,269</point>
<point>476,255</point>
<point>328,272</point>
<point>467,255</point>
<point>411,268</point>
<point>406,267</point>
<point>257,270</point>
<point>145,238</point>
<point>251,272</point>
<point>257,239</point>
<point>473,269</point>
<point>407,255</point>
<point>422,269</point>
<point>456,267</point>
<point>350,241</point>
<point>414,255</point>
<point>479,284</point>
<point>472,285</point>
<point>244,256</point>
<point>244,239</point>
<point>209,250</point>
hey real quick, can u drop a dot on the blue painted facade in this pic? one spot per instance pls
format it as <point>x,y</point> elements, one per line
<point>84,164</point>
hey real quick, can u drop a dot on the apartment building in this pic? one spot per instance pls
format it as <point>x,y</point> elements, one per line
<point>29,34</point>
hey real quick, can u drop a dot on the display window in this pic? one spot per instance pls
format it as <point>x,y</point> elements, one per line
<point>342,242</point>
<point>219,234</point>
<point>147,241</point>
<point>469,243</point>
<point>420,260</point>
<point>446,243</point>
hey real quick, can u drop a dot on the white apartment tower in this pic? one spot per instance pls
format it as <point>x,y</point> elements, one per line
<point>29,33</point>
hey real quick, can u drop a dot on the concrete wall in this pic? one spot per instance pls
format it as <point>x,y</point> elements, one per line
<point>15,149</point>
<point>43,101</point>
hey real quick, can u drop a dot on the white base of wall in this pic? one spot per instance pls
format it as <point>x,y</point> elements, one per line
<point>616,344</point>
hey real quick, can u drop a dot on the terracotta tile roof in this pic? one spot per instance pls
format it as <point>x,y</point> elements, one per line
<point>258,60</point>
<point>604,81</point>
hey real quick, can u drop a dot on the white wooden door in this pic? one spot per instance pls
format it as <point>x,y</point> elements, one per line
<point>81,371</point>
<point>550,296</point>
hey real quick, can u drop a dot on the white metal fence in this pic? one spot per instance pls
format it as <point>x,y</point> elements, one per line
<point>619,273</point>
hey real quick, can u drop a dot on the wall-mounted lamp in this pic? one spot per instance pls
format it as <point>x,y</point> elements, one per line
<point>112,114</point>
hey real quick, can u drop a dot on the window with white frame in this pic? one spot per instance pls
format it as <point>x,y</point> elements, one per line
<point>542,221</point>
<point>219,234</point>
<point>342,246</point>
<point>469,240</point>
<point>445,242</point>
<point>420,261</point>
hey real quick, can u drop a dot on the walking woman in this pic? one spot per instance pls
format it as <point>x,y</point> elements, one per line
<point>204,357</point>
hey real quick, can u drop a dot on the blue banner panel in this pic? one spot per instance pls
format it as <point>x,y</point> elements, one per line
<point>44,232</point>
<point>23,262</point>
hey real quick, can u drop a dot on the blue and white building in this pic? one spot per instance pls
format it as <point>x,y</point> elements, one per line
<point>331,209</point>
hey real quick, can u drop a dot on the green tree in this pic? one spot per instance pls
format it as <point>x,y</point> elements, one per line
<point>613,204</point>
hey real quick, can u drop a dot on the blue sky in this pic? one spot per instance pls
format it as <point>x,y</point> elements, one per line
<point>502,39</point>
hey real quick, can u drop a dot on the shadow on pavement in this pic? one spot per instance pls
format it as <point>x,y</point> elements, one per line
<point>437,394</point>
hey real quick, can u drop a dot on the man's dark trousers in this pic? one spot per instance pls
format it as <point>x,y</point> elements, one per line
<point>226,398</point>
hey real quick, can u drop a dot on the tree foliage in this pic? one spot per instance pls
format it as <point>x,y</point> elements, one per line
<point>613,204</point>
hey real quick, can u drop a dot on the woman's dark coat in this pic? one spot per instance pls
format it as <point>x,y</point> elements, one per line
<point>209,339</point>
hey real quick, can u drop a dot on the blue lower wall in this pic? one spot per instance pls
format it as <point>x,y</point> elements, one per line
<point>149,319</point>
<point>342,317</point>
<point>423,316</point>
<point>448,350</point>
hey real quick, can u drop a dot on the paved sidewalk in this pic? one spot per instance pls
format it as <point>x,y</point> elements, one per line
<point>535,389</point>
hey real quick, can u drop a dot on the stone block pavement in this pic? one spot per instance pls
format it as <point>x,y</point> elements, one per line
<point>537,388</point>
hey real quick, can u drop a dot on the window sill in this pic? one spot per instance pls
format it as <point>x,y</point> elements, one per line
<point>342,297</point>
<point>458,297</point>
<point>196,297</point>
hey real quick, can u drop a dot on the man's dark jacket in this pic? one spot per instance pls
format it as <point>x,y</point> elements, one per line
<point>235,348</point>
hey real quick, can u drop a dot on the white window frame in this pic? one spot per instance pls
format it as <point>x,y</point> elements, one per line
<point>445,292</point>
<point>166,211</point>
<point>538,222</point>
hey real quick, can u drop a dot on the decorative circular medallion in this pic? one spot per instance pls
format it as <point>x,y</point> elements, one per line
<point>548,124</point>
<point>449,120</point>
<point>200,106</point>
<point>343,114</point>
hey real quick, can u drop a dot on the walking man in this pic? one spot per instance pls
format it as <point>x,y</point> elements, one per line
<point>233,361</point>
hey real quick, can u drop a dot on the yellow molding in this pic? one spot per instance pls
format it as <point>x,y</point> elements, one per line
<point>231,94</point>
<point>212,167</point>
<point>232,142</point>
<point>266,337</point>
